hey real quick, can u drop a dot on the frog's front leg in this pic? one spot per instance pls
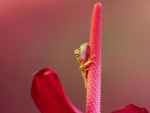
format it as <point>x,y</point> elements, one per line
<point>84,68</point>
<point>87,63</point>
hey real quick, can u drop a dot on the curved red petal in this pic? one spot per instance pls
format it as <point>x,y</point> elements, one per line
<point>48,94</point>
<point>131,109</point>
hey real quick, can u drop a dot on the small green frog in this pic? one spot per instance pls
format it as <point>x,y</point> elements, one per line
<point>82,56</point>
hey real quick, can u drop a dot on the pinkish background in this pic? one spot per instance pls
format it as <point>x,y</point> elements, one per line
<point>44,33</point>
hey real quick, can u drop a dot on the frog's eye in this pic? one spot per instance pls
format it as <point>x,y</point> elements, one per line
<point>77,52</point>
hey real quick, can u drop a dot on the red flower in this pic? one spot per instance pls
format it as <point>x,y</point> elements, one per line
<point>47,91</point>
<point>131,109</point>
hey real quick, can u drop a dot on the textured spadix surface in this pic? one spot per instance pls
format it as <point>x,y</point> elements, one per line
<point>94,74</point>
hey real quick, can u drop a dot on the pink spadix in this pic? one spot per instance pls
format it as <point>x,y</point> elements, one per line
<point>94,75</point>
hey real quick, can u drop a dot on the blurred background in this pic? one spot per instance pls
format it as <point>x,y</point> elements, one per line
<point>36,34</point>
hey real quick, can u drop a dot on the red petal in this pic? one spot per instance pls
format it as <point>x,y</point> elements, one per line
<point>131,109</point>
<point>48,93</point>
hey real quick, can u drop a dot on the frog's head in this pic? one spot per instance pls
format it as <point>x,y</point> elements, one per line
<point>82,53</point>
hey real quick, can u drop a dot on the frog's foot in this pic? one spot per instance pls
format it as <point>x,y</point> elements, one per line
<point>85,65</point>
<point>91,57</point>
<point>90,61</point>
